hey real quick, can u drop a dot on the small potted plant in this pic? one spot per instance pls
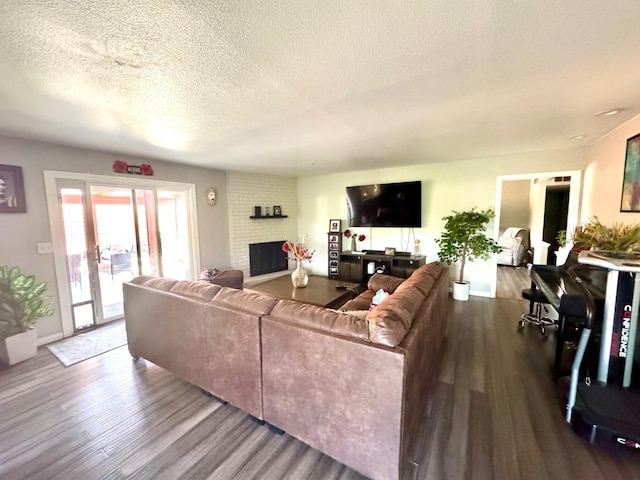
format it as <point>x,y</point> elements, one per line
<point>464,239</point>
<point>22,303</point>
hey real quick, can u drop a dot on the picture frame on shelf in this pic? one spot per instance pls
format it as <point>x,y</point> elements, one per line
<point>333,238</point>
<point>12,197</point>
<point>333,271</point>
<point>333,246</point>
<point>334,225</point>
<point>333,254</point>
<point>390,251</point>
<point>277,210</point>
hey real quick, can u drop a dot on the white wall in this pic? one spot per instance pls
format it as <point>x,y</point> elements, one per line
<point>248,190</point>
<point>21,232</point>
<point>514,208</point>
<point>604,174</point>
<point>445,187</point>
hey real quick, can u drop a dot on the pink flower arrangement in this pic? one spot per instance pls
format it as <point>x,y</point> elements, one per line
<point>349,234</point>
<point>297,251</point>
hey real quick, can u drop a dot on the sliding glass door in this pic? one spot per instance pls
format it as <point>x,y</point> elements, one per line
<point>113,233</point>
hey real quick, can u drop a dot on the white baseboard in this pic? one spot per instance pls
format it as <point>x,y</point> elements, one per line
<point>50,339</point>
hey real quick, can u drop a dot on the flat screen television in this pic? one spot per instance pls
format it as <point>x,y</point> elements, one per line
<point>385,205</point>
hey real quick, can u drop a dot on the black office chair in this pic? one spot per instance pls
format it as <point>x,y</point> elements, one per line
<point>537,301</point>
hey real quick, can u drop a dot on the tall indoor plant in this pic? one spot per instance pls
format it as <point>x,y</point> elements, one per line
<point>22,302</point>
<point>464,239</point>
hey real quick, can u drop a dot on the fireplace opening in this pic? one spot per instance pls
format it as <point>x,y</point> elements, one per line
<point>267,257</point>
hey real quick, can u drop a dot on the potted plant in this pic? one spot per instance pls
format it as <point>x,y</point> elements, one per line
<point>22,303</point>
<point>464,239</point>
<point>596,236</point>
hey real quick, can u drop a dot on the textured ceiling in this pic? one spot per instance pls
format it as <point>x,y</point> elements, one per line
<point>305,87</point>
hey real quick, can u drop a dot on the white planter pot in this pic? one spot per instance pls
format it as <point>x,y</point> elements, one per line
<point>20,347</point>
<point>461,291</point>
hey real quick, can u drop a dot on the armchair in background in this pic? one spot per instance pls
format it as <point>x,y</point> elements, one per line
<point>515,244</point>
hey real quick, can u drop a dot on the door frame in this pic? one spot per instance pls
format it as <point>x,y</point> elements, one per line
<point>57,229</point>
<point>573,217</point>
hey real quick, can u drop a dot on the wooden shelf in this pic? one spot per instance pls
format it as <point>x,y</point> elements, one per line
<point>268,216</point>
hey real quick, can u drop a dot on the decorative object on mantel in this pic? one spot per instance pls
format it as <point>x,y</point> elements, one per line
<point>123,167</point>
<point>257,211</point>
<point>277,210</point>
<point>389,251</point>
<point>12,199</point>
<point>266,211</point>
<point>211,196</point>
<point>354,236</point>
<point>298,251</point>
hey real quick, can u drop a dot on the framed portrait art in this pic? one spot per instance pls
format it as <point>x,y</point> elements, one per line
<point>334,226</point>
<point>12,199</point>
<point>631,181</point>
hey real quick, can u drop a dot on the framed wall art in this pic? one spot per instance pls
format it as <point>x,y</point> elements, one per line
<point>630,201</point>
<point>12,198</point>
<point>334,225</point>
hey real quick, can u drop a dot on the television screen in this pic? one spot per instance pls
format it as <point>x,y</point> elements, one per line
<point>385,205</point>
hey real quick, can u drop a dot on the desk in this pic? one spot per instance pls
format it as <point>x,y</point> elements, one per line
<point>620,319</point>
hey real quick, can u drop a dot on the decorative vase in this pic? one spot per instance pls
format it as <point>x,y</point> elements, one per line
<point>353,244</point>
<point>299,277</point>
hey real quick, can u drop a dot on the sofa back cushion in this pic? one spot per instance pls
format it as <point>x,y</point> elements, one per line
<point>159,283</point>
<point>195,290</point>
<point>320,318</point>
<point>388,283</point>
<point>390,321</point>
<point>246,302</point>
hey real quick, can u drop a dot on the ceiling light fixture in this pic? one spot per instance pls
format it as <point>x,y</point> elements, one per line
<point>610,112</point>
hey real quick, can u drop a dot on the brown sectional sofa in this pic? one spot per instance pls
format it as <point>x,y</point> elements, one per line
<point>354,389</point>
<point>206,334</point>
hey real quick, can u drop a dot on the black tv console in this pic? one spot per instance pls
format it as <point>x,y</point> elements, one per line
<point>354,266</point>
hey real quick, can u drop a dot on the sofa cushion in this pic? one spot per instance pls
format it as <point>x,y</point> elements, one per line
<point>195,290</point>
<point>320,318</point>
<point>243,301</point>
<point>388,283</point>
<point>159,283</point>
<point>361,302</point>
<point>360,314</point>
<point>392,319</point>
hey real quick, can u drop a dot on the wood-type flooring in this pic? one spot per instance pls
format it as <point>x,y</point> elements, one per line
<point>494,414</point>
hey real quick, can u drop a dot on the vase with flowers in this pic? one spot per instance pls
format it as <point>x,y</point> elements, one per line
<point>298,251</point>
<point>354,236</point>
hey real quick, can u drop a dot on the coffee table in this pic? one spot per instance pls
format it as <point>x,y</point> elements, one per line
<point>320,291</point>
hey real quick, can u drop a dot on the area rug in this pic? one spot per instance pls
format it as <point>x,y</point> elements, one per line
<point>89,344</point>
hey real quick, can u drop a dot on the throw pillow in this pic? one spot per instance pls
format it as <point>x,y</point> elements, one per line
<point>378,298</point>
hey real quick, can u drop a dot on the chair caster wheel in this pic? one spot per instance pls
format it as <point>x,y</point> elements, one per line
<point>520,325</point>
